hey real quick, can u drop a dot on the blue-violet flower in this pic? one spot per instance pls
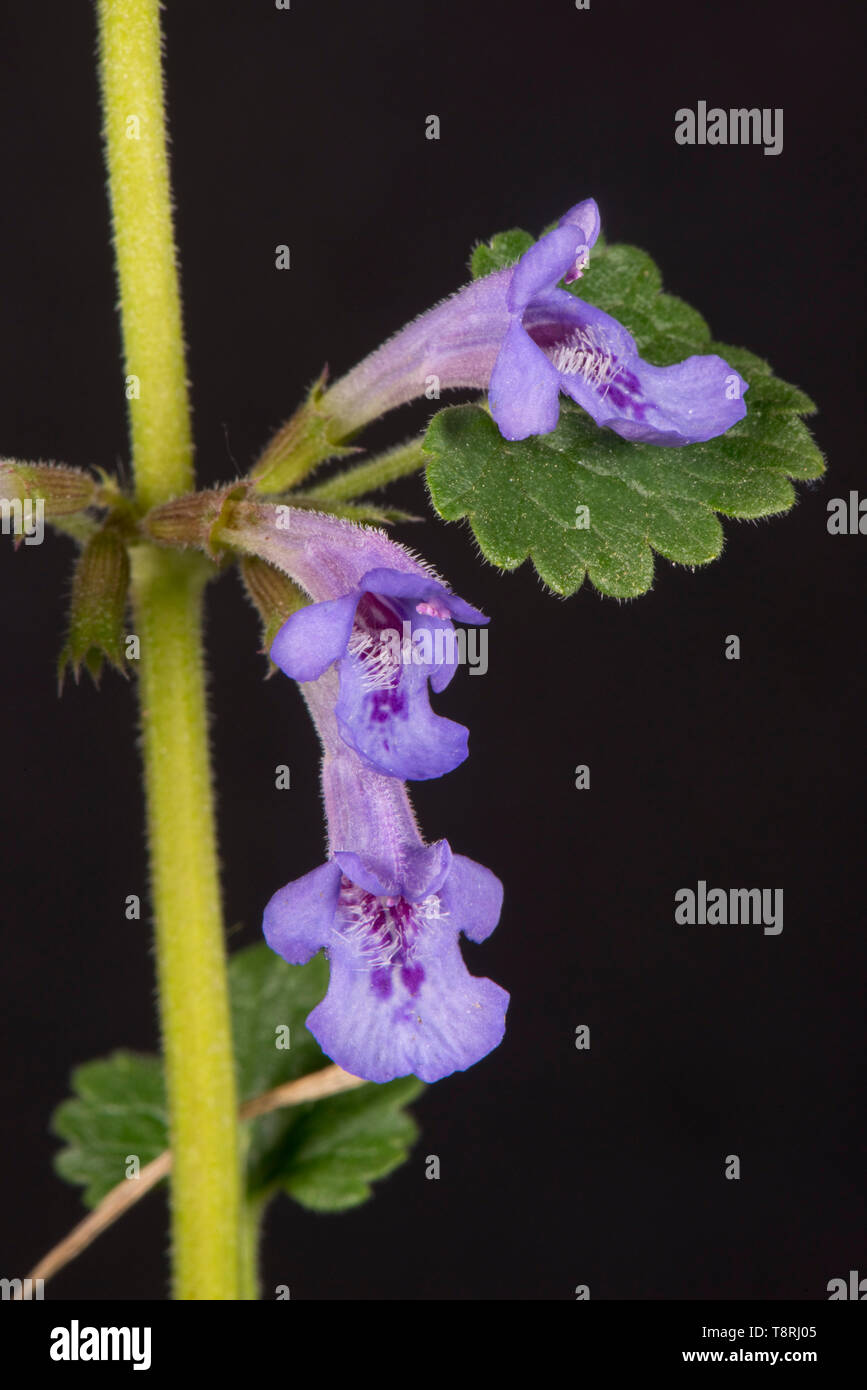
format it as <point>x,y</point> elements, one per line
<point>388,910</point>
<point>518,336</point>
<point>372,633</point>
<point>383,617</point>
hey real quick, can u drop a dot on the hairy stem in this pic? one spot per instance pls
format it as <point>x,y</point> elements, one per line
<point>138,174</point>
<point>191,965</point>
<point>368,477</point>
<point>252,1211</point>
<point>167,597</point>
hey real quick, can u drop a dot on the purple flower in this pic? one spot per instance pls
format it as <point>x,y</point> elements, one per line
<point>555,342</point>
<point>388,910</point>
<point>518,336</point>
<point>378,612</point>
<point>390,634</point>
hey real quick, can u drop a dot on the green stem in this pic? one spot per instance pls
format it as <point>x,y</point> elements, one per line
<point>138,173</point>
<point>252,1212</point>
<point>167,600</point>
<point>191,966</point>
<point>368,477</point>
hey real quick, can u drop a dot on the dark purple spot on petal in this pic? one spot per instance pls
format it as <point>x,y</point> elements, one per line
<point>384,932</point>
<point>412,976</point>
<point>380,981</point>
<point>383,705</point>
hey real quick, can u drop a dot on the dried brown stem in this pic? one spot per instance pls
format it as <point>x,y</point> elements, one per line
<point>329,1081</point>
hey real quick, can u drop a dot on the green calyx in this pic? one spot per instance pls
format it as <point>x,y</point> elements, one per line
<point>295,450</point>
<point>100,588</point>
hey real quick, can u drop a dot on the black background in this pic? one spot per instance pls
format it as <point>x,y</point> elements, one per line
<point>559,1167</point>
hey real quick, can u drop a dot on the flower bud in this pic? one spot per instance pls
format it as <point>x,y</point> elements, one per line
<point>61,490</point>
<point>97,608</point>
<point>193,519</point>
<point>273,595</point>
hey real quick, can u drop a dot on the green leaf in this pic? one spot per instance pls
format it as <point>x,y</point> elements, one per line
<point>627,284</point>
<point>503,249</point>
<point>525,499</point>
<point>324,1153</point>
<point>118,1110</point>
<point>332,1150</point>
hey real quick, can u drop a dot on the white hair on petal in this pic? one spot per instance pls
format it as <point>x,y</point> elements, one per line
<point>584,354</point>
<point>378,668</point>
<point>371,926</point>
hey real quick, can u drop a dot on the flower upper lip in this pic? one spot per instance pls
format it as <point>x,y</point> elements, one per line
<point>555,255</point>
<point>422,870</point>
